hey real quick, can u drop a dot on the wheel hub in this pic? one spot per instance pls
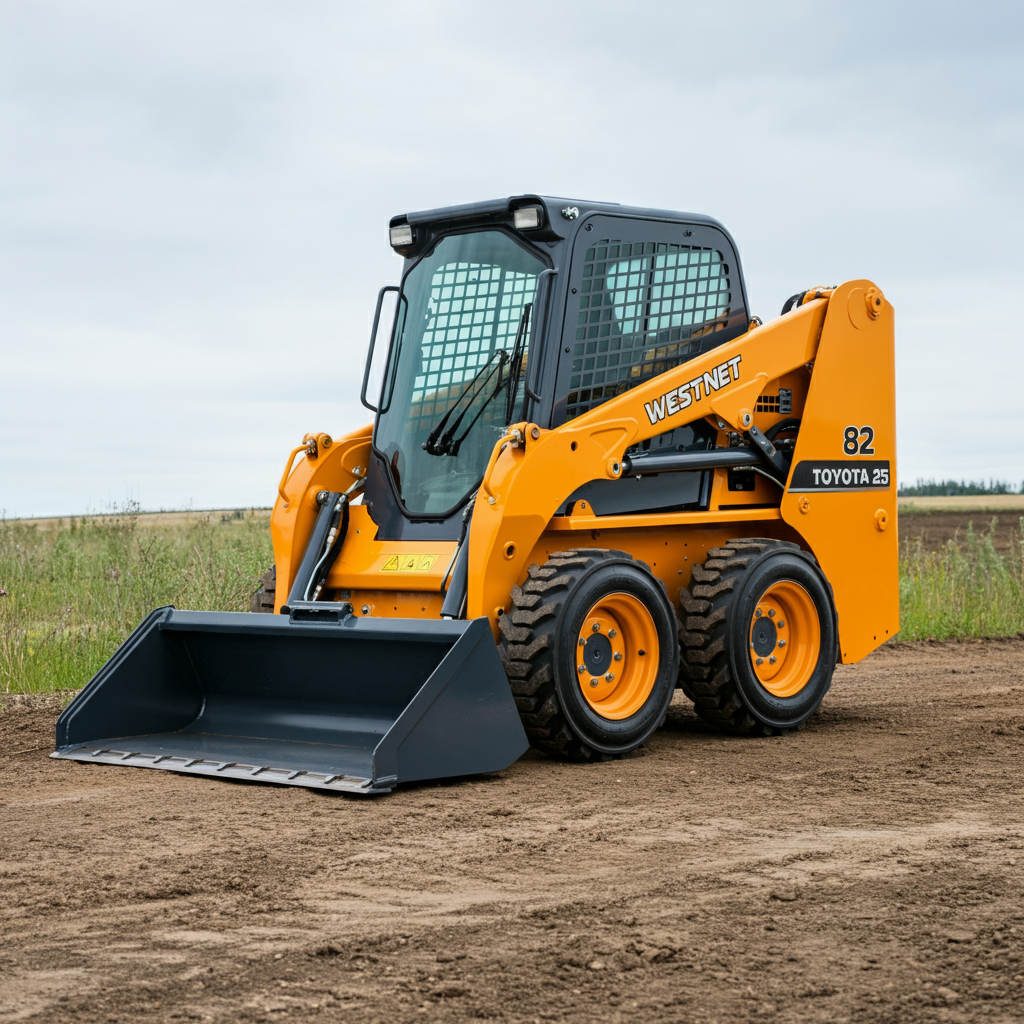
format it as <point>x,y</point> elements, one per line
<point>597,654</point>
<point>617,656</point>
<point>785,638</point>
<point>764,636</point>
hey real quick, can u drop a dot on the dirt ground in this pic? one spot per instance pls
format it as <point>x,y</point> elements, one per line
<point>936,528</point>
<point>868,868</point>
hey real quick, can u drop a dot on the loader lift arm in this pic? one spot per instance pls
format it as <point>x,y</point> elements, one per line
<point>851,353</point>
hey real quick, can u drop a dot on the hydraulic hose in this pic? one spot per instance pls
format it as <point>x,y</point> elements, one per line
<point>454,604</point>
<point>332,544</point>
<point>793,423</point>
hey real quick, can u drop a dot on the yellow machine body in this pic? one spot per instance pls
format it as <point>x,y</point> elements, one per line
<point>835,352</point>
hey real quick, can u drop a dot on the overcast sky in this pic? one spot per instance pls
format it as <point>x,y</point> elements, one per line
<point>194,200</point>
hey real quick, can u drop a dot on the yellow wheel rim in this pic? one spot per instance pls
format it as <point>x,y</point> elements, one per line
<point>617,656</point>
<point>785,639</point>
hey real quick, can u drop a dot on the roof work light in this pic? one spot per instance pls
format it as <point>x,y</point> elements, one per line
<point>528,218</point>
<point>401,236</point>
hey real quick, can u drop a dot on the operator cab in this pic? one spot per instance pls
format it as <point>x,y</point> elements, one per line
<point>538,309</point>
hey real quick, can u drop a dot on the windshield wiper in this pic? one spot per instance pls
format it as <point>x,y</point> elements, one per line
<point>442,444</point>
<point>438,443</point>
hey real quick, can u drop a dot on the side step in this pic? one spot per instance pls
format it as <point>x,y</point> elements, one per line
<point>324,700</point>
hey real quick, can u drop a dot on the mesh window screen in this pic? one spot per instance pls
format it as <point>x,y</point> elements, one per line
<point>643,305</point>
<point>474,311</point>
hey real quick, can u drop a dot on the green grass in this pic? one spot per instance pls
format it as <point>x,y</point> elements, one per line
<point>966,589</point>
<point>75,590</point>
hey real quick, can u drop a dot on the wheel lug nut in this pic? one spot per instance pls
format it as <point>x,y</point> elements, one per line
<point>782,643</point>
<point>772,660</point>
<point>617,656</point>
<point>583,643</point>
<point>612,634</point>
<point>609,676</point>
<point>760,661</point>
<point>757,613</point>
<point>594,681</point>
<point>781,623</point>
<point>581,669</point>
<point>595,627</point>
<point>771,613</point>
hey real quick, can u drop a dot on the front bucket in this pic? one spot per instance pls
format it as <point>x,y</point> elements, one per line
<point>353,704</point>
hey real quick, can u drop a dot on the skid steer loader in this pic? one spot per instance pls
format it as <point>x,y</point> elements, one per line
<point>592,477</point>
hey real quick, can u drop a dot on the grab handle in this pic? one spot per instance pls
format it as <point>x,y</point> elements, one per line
<point>373,340</point>
<point>304,447</point>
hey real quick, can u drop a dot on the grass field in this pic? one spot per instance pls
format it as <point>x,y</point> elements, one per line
<point>75,588</point>
<point>964,589</point>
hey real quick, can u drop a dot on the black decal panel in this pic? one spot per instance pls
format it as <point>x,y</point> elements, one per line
<point>829,475</point>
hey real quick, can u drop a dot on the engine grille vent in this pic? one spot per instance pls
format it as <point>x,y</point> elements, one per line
<point>782,403</point>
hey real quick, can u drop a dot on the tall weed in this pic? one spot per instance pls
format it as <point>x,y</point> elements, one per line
<point>75,591</point>
<point>966,589</point>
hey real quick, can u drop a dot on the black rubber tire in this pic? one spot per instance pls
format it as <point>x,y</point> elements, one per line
<point>538,647</point>
<point>716,671</point>
<point>263,599</point>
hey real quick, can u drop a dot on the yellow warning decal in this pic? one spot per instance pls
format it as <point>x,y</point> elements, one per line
<point>409,563</point>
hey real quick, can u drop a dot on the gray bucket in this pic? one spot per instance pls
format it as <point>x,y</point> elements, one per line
<point>321,699</point>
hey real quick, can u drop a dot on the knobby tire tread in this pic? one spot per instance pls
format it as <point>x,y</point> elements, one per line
<point>527,648</point>
<point>707,611</point>
<point>263,599</point>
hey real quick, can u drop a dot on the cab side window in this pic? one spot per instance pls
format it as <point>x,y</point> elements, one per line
<point>643,308</point>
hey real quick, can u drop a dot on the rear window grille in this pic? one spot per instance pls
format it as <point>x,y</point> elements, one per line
<point>643,307</point>
<point>767,403</point>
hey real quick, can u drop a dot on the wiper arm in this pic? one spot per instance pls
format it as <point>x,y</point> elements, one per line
<point>448,443</point>
<point>438,443</point>
<point>516,362</point>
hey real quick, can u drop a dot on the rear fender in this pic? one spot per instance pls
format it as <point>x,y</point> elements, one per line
<point>841,493</point>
